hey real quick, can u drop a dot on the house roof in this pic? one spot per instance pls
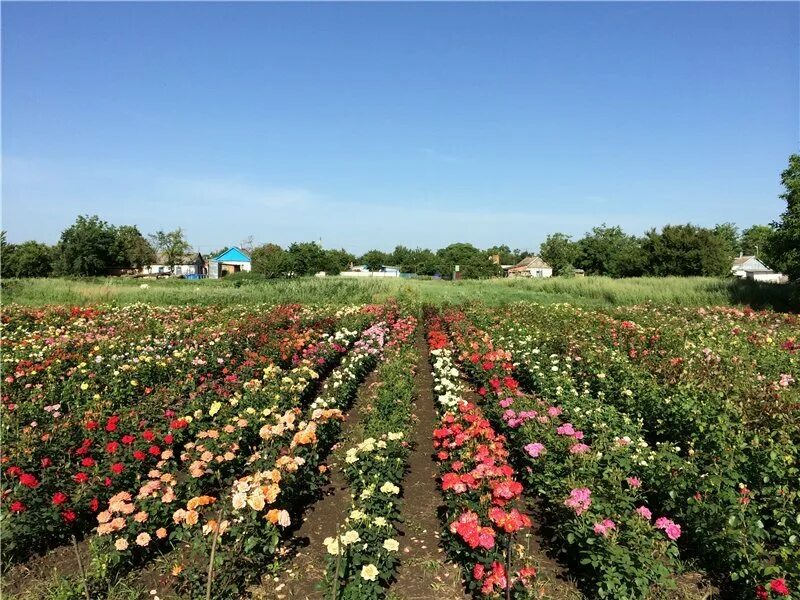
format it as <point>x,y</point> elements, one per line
<point>742,260</point>
<point>232,255</point>
<point>531,262</point>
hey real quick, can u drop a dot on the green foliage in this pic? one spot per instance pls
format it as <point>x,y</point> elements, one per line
<point>473,263</point>
<point>131,249</point>
<point>609,251</point>
<point>375,260</point>
<point>729,234</point>
<point>86,247</point>
<point>271,261</point>
<point>337,261</point>
<point>29,259</point>
<point>560,252</point>
<point>785,244</point>
<point>756,241</point>
<point>687,250</point>
<point>306,258</point>
<point>172,244</point>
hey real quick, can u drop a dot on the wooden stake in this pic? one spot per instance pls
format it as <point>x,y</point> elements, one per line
<point>213,553</point>
<point>80,567</point>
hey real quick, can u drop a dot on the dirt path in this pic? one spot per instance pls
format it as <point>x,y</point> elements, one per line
<point>303,573</point>
<point>424,572</point>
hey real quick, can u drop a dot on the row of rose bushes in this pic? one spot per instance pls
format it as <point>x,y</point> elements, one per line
<point>53,489</point>
<point>730,480</point>
<point>237,511</point>
<point>583,460</point>
<point>484,512</point>
<point>363,556</point>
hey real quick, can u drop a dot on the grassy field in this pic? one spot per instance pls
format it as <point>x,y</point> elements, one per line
<point>589,291</point>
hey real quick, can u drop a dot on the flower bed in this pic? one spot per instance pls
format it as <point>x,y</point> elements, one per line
<point>586,477</point>
<point>364,555</point>
<point>478,484</point>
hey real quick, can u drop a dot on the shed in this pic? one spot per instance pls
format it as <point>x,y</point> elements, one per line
<point>233,260</point>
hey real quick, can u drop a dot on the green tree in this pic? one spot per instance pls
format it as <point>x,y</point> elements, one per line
<point>271,261</point>
<point>687,250</point>
<point>729,234</point>
<point>610,251</point>
<point>560,252</point>
<point>86,247</point>
<point>131,249</point>
<point>507,256</point>
<point>473,263</point>
<point>375,260</point>
<point>30,259</point>
<point>172,244</point>
<point>306,258</point>
<point>785,244</point>
<point>6,251</point>
<point>337,261</point>
<point>756,241</point>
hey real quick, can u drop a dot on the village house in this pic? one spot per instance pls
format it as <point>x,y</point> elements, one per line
<point>532,266</point>
<point>233,260</point>
<point>749,267</point>
<point>190,264</point>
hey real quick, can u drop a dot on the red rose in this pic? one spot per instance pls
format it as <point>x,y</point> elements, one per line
<point>478,571</point>
<point>128,439</point>
<point>117,468</point>
<point>17,507</point>
<point>442,455</point>
<point>762,593</point>
<point>46,462</point>
<point>94,504</point>
<point>91,425</point>
<point>178,424</point>
<point>168,439</point>
<point>28,480</point>
<point>87,462</point>
<point>59,498</point>
<point>139,455</point>
<point>112,447</point>
<point>779,587</point>
<point>149,435</point>
<point>81,478</point>
<point>154,450</point>
<point>69,516</point>
<point>14,471</point>
<point>107,482</point>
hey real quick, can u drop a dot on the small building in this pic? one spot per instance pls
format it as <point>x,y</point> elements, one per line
<point>532,266</point>
<point>752,269</point>
<point>363,271</point>
<point>233,260</point>
<point>190,264</point>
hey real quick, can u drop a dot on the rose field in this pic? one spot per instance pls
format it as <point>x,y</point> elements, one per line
<point>399,449</point>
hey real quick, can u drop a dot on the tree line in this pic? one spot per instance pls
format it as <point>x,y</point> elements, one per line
<point>91,247</point>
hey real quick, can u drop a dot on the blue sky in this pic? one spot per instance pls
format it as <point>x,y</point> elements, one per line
<point>374,124</point>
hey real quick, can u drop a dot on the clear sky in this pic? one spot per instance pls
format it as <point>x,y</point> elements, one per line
<point>369,125</point>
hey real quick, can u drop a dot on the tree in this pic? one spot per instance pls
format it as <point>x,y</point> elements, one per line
<point>609,251</point>
<point>785,243</point>
<point>171,244</point>
<point>306,258</point>
<point>756,241</point>
<point>337,261</point>
<point>473,264</point>
<point>507,257</point>
<point>375,260</point>
<point>29,259</point>
<point>271,261</point>
<point>729,234</point>
<point>131,249</point>
<point>6,251</point>
<point>86,247</point>
<point>687,250</point>
<point>560,252</point>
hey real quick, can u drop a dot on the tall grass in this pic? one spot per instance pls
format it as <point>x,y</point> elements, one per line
<point>587,291</point>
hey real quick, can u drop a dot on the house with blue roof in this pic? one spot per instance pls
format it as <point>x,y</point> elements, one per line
<point>233,260</point>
